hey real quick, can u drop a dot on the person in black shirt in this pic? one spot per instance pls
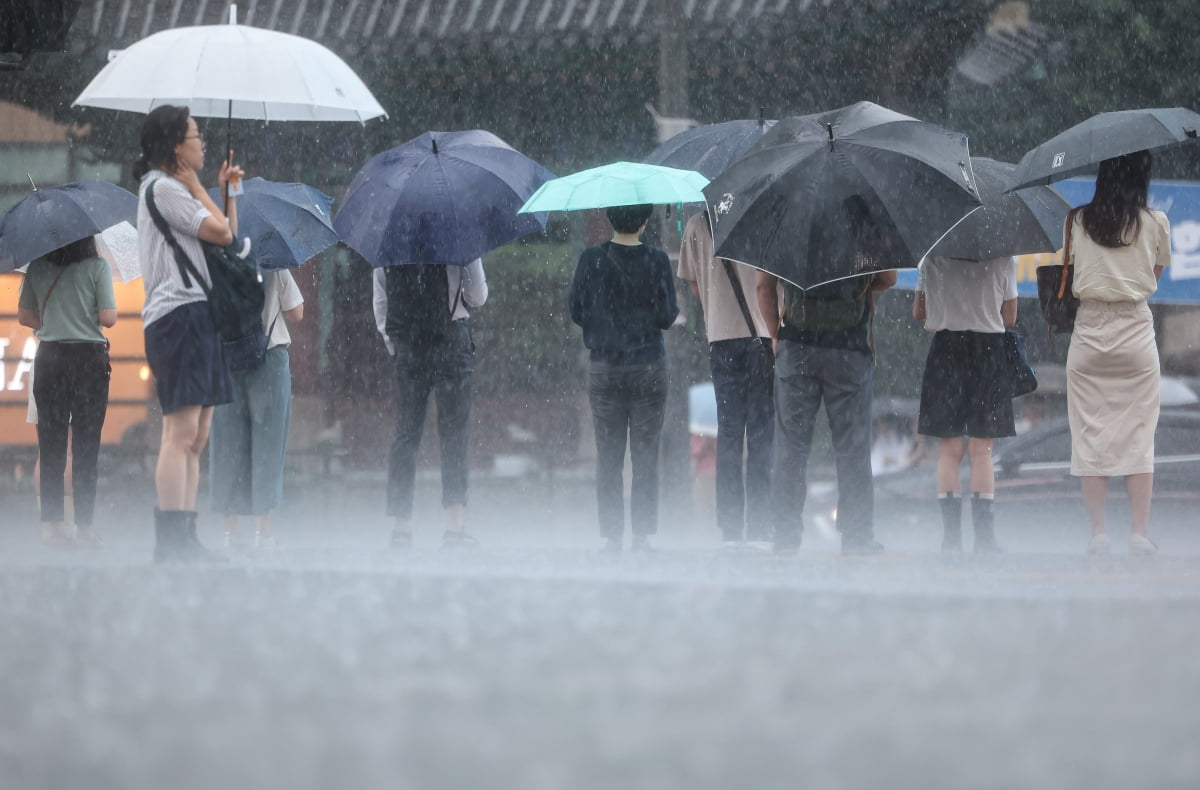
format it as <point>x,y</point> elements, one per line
<point>623,297</point>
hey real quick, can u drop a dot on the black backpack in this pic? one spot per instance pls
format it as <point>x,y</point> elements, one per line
<point>418,297</point>
<point>235,296</point>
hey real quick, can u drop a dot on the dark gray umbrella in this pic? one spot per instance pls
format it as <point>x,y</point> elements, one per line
<point>711,148</point>
<point>1085,145</point>
<point>832,195</point>
<point>1010,223</point>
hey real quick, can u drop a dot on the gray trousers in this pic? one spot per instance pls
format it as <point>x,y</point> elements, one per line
<point>806,377</point>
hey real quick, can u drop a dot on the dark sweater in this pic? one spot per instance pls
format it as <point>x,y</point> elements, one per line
<point>623,297</point>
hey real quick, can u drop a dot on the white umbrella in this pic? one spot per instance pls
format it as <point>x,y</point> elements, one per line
<point>118,246</point>
<point>232,71</point>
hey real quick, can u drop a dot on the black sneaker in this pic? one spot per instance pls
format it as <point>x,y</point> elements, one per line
<point>861,548</point>
<point>459,539</point>
<point>401,540</point>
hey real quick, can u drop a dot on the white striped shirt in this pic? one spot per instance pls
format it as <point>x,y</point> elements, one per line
<point>161,278</point>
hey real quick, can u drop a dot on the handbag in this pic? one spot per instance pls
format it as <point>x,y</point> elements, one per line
<point>1024,379</point>
<point>235,296</point>
<point>1054,283</point>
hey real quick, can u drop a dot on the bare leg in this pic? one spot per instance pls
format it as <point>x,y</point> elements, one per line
<point>454,518</point>
<point>1140,488</point>
<point>263,527</point>
<point>177,458</point>
<point>949,462</point>
<point>983,478</point>
<point>1095,491</point>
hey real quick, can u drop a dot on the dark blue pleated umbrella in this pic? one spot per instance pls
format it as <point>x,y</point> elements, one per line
<point>442,197</point>
<point>287,223</point>
<point>56,216</point>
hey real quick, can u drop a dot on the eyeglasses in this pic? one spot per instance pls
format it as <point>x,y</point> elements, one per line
<point>194,137</point>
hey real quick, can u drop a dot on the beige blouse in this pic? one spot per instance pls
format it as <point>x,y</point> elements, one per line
<point>1120,274</point>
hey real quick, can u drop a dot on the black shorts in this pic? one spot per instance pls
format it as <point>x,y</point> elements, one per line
<point>967,387</point>
<point>184,352</point>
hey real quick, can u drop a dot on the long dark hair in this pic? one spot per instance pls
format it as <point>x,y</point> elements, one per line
<point>1114,217</point>
<point>164,128</point>
<point>74,252</point>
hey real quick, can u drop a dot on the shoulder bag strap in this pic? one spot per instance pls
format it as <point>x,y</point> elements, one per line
<point>741,296</point>
<point>181,257</point>
<point>1066,260</point>
<point>45,301</point>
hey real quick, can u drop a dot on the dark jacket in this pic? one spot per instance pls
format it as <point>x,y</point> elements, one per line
<point>623,297</point>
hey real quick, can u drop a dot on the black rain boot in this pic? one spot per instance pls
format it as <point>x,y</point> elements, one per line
<point>981,520</point>
<point>170,533</point>
<point>951,523</point>
<point>195,549</point>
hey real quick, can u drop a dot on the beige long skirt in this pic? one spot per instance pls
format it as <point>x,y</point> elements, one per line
<point>1112,390</point>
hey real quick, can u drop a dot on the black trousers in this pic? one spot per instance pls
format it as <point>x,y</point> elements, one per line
<point>743,374</point>
<point>628,406</point>
<point>70,387</point>
<point>446,372</point>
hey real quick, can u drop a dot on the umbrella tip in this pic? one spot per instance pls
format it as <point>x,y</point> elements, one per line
<point>435,150</point>
<point>829,129</point>
<point>233,13</point>
<point>761,117</point>
<point>27,175</point>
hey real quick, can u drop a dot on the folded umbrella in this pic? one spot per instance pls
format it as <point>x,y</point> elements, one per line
<point>1010,223</point>
<point>1109,134</point>
<point>837,194</point>
<point>56,216</point>
<point>618,184</point>
<point>442,197</point>
<point>287,224</point>
<point>711,148</point>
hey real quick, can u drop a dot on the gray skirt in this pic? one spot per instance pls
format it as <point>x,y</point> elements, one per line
<point>1112,390</point>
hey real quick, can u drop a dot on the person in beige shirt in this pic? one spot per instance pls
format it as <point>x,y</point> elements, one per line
<point>1118,248</point>
<point>743,369</point>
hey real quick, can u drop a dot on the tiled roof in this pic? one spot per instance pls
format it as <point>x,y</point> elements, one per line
<point>403,23</point>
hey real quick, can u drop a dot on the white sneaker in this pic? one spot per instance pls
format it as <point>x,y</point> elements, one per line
<point>264,542</point>
<point>1099,544</point>
<point>760,545</point>
<point>1141,546</point>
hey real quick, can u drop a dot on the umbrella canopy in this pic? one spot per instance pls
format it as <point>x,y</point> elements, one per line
<point>234,71</point>
<point>832,195</point>
<point>1109,134</point>
<point>56,216</point>
<point>1012,223</point>
<point>709,149</point>
<point>618,184</point>
<point>287,223</point>
<point>442,197</point>
<point>118,246</point>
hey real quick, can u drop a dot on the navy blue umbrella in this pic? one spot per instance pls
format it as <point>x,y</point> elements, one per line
<point>442,197</point>
<point>287,223</point>
<point>56,216</point>
<point>709,149</point>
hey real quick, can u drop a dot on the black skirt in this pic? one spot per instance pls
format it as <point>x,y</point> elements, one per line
<point>185,356</point>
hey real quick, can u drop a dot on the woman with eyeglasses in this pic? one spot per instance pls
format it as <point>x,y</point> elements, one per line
<point>175,214</point>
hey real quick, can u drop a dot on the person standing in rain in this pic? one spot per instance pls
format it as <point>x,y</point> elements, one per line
<point>422,312</point>
<point>183,348</point>
<point>966,388</point>
<point>824,354</point>
<point>742,363</point>
<point>67,299</point>
<point>1118,248</point>
<point>623,297</point>
<point>249,435</point>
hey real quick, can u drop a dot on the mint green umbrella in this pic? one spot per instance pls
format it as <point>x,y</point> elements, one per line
<point>618,184</point>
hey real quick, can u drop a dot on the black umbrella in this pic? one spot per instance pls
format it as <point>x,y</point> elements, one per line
<point>56,216</point>
<point>709,149</point>
<point>1104,136</point>
<point>841,193</point>
<point>1010,223</point>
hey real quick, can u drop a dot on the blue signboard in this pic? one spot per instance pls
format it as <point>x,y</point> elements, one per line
<point>1179,200</point>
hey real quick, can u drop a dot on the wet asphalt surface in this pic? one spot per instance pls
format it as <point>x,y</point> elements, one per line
<point>532,662</point>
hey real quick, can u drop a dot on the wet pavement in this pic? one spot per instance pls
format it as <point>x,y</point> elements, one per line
<point>533,662</point>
